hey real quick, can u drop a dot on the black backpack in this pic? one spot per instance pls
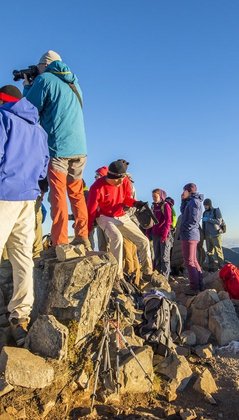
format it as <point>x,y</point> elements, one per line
<point>162,324</point>
<point>146,217</point>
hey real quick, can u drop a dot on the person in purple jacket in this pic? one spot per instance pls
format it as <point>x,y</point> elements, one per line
<point>191,209</point>
<point>24,159</point>
<point>161,232</point>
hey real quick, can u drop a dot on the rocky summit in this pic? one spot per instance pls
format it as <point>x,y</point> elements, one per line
<point>85,355</point>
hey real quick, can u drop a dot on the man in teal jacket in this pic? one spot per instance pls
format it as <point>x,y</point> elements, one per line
<point>57,95</point>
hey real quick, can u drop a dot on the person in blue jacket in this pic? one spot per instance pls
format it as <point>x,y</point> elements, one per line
<point>58,97</point>
<point>191,209</point>
<point>24,159</point>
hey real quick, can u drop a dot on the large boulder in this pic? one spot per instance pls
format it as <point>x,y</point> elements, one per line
<point>48,338</point>
<point>198,307</point>
<point>132,377</point>
<point>224,322</point>
<point>76,290</point>
<point>22,368</point>
<point>177,369</point>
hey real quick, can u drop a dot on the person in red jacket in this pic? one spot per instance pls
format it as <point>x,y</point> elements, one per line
<point>108,197</point>
<point>161,232</point>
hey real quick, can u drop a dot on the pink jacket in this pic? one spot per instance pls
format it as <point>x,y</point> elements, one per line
<point>163,212</point>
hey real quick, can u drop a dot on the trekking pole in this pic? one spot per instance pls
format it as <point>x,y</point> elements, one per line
<point>97,369</point>
<point>117,346</point>
<point>107,361</point>
<point>127,345</point>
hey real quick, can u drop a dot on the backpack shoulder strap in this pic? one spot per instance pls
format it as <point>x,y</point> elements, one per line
<point>72,86</point>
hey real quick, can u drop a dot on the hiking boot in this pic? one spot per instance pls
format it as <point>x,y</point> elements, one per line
<point>82,241</point>
<point>19,330</point>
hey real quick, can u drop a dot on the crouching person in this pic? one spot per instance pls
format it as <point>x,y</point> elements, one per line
<point>107,199</point>
<point>23,161</point>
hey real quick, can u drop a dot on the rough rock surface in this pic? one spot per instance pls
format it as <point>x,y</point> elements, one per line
<point>202,334</point>
<point>205,383</point>
<point>48,338</point>
<point>5,387</point>
<point>176,368</point>
<point>22,368</point>
<point>189,338</point>
<point>131,374</point>
<point>224,322</point>
<point>69,290</point>
<point>204,352</point>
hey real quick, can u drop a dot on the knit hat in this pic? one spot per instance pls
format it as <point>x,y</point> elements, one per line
<point>102,171</point>
<point>192,188</point>
<point>207,202</point>
<point>117,169</point>
<point>49,56</point>
<point>10,93</point>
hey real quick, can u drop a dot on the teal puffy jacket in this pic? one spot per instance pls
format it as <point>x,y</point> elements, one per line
<point>60,110</point>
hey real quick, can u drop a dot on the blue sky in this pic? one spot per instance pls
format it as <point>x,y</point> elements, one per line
<point>160,80</point>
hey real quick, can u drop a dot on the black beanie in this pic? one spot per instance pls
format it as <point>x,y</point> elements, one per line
<point>10,93</point>
<point>207,202</point>
<point>117,169</point>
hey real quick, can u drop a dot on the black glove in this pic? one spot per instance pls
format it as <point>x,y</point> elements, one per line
<point>139,204</point>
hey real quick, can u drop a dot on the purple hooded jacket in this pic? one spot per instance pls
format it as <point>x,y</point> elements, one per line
<point>24,151</point>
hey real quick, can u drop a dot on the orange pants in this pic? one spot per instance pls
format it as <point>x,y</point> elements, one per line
<point>60,184</point>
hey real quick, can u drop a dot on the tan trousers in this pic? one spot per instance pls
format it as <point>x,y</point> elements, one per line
<point>117,228</point>
<point>17,224</point>
<point>37,245</point>
<point>130,260</point>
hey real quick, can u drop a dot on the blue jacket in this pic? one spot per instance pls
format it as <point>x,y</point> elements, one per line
<point>24,151</point>
<point>191,210</point>
<point>60,110</point>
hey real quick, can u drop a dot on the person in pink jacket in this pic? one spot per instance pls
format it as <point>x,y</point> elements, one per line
<point>161,232</point>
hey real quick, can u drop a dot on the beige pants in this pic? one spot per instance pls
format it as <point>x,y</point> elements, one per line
<point>117,228</point>
<point>17,224</point>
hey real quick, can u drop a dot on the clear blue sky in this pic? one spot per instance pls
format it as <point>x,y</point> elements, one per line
<point>161,86</point>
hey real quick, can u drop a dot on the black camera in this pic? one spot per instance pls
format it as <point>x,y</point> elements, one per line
<point>31,73</point>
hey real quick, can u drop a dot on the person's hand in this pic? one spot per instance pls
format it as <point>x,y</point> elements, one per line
<point>139,204</point>
<point>26,81</point>
<point>162,240</point>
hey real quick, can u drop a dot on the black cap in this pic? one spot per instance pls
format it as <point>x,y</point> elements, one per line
<point>117,169</point>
